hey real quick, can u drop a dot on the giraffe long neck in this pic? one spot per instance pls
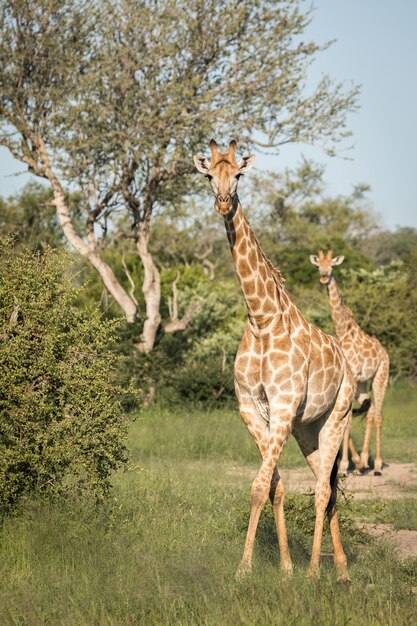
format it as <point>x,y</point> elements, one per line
<point>337,309</point>
<point>261,283</point>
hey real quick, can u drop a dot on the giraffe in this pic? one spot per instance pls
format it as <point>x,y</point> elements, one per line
<point>367,359</point>
<point>290,377</point>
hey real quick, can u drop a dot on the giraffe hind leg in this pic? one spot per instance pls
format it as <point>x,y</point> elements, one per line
<point>308,439</point>
<point>374,416</point>
<point>349,445</point>
<point>379,386</point>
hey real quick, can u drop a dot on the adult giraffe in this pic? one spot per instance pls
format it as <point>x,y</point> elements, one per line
<point>368,361</point>
<point>289,375</point>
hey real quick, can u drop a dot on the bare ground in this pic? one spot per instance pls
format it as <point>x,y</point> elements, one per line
<point>398,480</point>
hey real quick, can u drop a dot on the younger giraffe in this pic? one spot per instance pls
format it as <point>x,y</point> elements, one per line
<point>367,359</point>
<point>290,377</point>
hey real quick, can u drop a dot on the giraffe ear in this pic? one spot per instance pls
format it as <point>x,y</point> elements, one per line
<point>314,259</point>
<point>337,260</point>
<point>246,163</point>
<point>201,163</point>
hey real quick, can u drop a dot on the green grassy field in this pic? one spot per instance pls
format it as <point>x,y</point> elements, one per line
<point>165,548</point>
<point>221,434</point>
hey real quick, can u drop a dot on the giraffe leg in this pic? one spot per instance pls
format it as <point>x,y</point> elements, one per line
<point>379,386</point>
<point>330,438</point>
<point>280,429</point>
<point>307,439</point>
<point>344,464</point>
<point>367,438</point>
<point>356,459</point>
<point>349,445</point>
<point>260,434</point>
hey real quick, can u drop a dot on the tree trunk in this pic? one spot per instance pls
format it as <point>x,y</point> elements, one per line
<point>128,306</point>
<point>151,290</point>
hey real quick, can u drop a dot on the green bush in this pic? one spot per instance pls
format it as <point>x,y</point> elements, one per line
<point>384,301</point>
<point>62,419</point>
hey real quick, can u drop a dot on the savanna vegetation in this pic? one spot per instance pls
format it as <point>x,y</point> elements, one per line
<point>124,466</point>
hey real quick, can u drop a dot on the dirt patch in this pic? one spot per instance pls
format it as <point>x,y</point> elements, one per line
<point>403,541</point>
<point>396,481</point>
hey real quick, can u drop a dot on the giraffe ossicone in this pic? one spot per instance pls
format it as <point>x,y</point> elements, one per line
<point>290,377</point>
<point>367,359</point>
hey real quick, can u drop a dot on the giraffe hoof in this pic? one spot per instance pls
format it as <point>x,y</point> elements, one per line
<point>364,470</point>
<point>286,569</point>
<point>377,473</point>
<point>243,572</point>
<point>344,578</point>
<point>314,574</point>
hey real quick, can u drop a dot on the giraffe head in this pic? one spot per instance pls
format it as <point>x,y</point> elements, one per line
<point>326,263</point>
<point>223,171</point>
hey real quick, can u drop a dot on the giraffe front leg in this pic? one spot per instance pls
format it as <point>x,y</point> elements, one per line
<point>280,429</point>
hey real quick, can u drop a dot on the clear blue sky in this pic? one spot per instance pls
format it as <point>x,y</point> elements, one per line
<point>377,47</point>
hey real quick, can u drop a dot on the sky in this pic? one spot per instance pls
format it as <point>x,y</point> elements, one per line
<point>376,47</point>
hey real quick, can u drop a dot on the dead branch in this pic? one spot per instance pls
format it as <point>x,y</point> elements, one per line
<point>208,266</point>
<point>14,317</point>
<point>131,281</point>
<point>179,324</point>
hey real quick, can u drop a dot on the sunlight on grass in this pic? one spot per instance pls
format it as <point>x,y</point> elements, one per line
<point>165,547</point>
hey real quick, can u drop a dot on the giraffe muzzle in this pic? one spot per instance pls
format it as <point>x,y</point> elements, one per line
<point>223,204</point>
<point>324,279</point>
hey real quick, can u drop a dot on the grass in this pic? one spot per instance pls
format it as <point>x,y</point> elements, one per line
<point>400,513</point>
<point>164,549</point>
<point>221,435</point>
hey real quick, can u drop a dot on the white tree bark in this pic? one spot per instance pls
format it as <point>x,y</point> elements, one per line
<point>128,306</point>
<point>151,288</point>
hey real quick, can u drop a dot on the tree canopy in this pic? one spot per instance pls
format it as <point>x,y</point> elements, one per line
<point>112,99</point>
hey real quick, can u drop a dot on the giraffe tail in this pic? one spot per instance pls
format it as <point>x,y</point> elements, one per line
<point>364,407</point>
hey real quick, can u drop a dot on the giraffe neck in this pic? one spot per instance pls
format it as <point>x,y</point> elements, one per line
<point>261,283</point>
<point>337,309</point>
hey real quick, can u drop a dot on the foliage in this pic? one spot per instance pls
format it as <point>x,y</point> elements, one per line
<point>195,366</point>
<point>30,217</point>
<point>384,302</point>
<point>147,82</point>
<point>295,217</point>
<point>62,421</point>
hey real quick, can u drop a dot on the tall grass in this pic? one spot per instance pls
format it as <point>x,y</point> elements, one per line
<point>164,549</point>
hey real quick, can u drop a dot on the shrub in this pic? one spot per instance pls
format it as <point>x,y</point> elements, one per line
<point>62,418</point>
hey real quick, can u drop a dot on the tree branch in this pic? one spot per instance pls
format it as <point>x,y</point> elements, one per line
<point>179,324</point>
<point>131,281</point>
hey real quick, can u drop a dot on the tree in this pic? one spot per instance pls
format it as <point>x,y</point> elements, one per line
<point>150,82</point>
<point>30,217</point>
<point>384,302</point>
<point>295,216</point>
